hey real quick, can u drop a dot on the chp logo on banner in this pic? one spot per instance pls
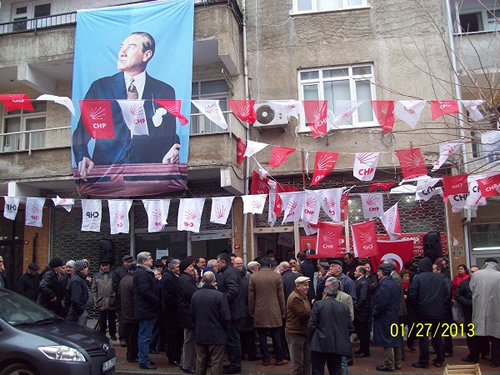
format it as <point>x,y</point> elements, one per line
<point>253,148</point>
<point>323,165</point>
<point>174,107</point>
<point>65,203</point>
<point>212,110</point>
<point>384,111</point>
<point>412,163</point>
<point>34,212</point>
<point>445,150</point>
<point>244,110</point>
<point>259,185</point>
<point>293,205</point>
<point>365,165</point>
<point>398,251</point>
<point>286,239</point>
<point>312,205</point>
<point>254,204</point>
<point>91,215</point>
<point>390,220</point>
<point>97,118</point>
<point>272,212</point>
<point>373,205</point>
<point>189,214</point>
<point>157,210</point>
<point>458,202</point>
<point>10,208</point>
<point>489,185</point>
<point>475,197</point>
<point>427,189</point>
<point>331,202</point>
<point>134,116</point>
<point>328,239</point>
<point>364,239</point>
<point>221,206</point>
<point>453,185</point>
<point>12,102</point>
<point>439,108</point>
<point>240,151</point>
<point>409,111</point>
<point>316,112</point>
<point>279,156</point>
<point>118,215</point>
<point>309,228</point>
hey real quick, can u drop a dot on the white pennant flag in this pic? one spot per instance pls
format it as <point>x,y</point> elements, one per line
<point>365,165</point>
<point>458,202</point>
<point>445,150</point>
<point>34,212</point>
<point>211,109</point>
<point>64,100</point>
<point>390,220</point>
<point>409,111</point>
<point>289,108</point>
<point>221,206</point>
<point>262,172</point>
<point>10,208</point>
<point>253,148</point>
<point>91,215</point>
<point>293,205</point>
<point>189,215</point>
<point>254,204</point>
<point>118,215</point>
<point>67,204</point>
<point>471,106</point>
<point>330,202</point>
<point>426,189</point>
<point>157,210</point>
<point>309,228</point>
<point>475,197</point>
<point>343,110</point>
<point>134,116</point>
<point>271,215</point>
<point>312,205</point>
<point>373,205</point>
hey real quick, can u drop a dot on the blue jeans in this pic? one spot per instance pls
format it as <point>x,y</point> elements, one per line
<point>144,338</point>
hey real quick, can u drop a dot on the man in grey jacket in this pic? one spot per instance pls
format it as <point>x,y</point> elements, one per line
<point>104,299</point>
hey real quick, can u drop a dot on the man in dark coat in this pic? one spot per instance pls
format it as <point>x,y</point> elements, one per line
<point>448,314</point>
<point>4,280</point>
<point>288,278</point>
<point>146,305</point>
<point>63,286</point>
<point>403,311</point>
<point>118,274</point>
<point>29,284</point>
<point>308,271</point>
<point>186,289</point>
<point>173,331</point>
<point>329,336</point>
<point>247,329</point>
<point>79,294</point>
<point>212,321</point>
<point>362,311</point>
<point>386,313</point>
<point>336,271</point>
<point>130,323</point>
<point>427,293</point>
<point>350,264</point>
<point>50,295</point>
<point>229,284</point>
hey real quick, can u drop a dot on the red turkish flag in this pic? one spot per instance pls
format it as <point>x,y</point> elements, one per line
<point>97,118</point>
<point>259,185</point>
<point>381,185</point>
<point>412,162</point>
<point>384,110</point>
<point>174,108</point>
<point>278,155</point>
<point>364,238</point>
<point>455,185</point>
<point>327,240</point>
<point>323,165</point>
<point>244,110</point>
<point>240,149</point>
<point>489,185</point>
<point>439,108</point>
<point>16,101</point>
<point>399,251</point>
<point>316,114</point>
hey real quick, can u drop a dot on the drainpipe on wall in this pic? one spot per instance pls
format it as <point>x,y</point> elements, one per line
<point>132,231</point>
<point>35,238</point>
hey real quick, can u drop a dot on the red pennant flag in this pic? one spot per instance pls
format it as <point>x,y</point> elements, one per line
<point>364,238</point>
<point>455,185</point>
<point>384,110</point>
<point>278,155</point>
<point>323,165</point>
<point>97,118</point>
<point>259,185</point>
<point>174,108</point>
<point>278,205</point>
<point>283,188</point>
<point>399,251</point>
<point>240,149</point>
<point>244,110</point>
<point>385,186</point>
<point>412,163</point>
<point>327,243</point>
<point>439,108</point>
<point>316,114</point>
<point>16,101</point>
<point>344,205</point>
<point>489,185</point>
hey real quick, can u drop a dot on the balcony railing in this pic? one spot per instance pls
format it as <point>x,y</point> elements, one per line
<point>35,139</point>
<point>200,124</point>
<point>34,24</point>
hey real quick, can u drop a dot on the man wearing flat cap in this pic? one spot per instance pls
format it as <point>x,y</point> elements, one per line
<point>50,295</point>
<point>104,299</point>
<point>336,271</point>
<point>118,274</point>
<point>298,310</point>
<point>29,284</point>
<point>80,295</point>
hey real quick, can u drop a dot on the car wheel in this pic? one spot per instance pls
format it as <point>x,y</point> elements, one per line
<point>19,369</point>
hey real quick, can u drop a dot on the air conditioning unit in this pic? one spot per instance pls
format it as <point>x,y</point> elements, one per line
<point>269,116</point>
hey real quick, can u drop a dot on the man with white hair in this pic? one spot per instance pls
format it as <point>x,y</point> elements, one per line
<point>253,266</point>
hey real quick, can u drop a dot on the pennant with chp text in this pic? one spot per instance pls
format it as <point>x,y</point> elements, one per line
<point>373,205</point>
<point>91,215</point>
<point>323,165</point>
<point>364,238</point>
<point>365,165</point>
<point>118,215</point>
<point>97,118</point>
<point>221,207</point>
<point>244,110</point>
<point>34,212</point>
<point>189,215</point>
<point>157,211</point>
<point>10,208</point>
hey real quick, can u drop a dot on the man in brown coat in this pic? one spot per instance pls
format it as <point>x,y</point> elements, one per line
<point>266,304</point>
<point>298,310</point>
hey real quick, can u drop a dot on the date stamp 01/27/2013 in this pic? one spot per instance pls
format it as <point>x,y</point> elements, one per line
<point>426,329</point>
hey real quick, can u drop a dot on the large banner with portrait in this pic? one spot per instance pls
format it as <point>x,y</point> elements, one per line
<point>132,90</point>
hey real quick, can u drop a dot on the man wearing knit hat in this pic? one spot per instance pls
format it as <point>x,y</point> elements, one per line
<point>63,286</point>
<point>50,294</point>
<point>29,284</point>
<point>80,295</point>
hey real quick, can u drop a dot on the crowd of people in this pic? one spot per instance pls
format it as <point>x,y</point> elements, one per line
<point>203,312</point>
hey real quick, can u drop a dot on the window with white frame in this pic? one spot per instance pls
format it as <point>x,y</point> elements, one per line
<point>327,5</point>
<point>208,90</point>
<point>353,82</point>
<point>478,20</point>
<point>22,12</point>
<point>22,130</point>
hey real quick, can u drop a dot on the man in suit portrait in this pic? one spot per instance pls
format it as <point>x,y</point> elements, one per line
<point>156,143</point>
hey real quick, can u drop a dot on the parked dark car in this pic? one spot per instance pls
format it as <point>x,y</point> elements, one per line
<point>35,341</point>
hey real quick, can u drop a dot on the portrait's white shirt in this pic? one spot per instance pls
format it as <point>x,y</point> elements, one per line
<point>139,82</point>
